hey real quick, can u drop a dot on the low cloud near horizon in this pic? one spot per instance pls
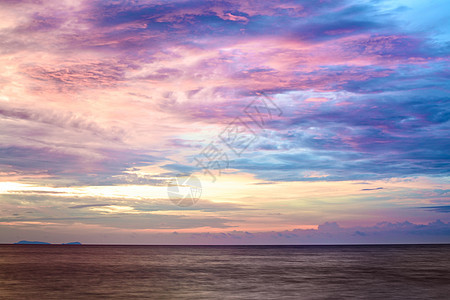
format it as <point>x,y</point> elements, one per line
<point>329,233</point>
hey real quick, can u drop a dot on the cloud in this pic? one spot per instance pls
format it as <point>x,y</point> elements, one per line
<point>372,137</point>
<point>65,120</point>
<point>108,166</point>
<point>89,205</point>
<point>332,233</point>
<point>440,209</point>
<point>78,76</point>
<point>73,206</point>
<point>115,95</point>
<point>327,233</point>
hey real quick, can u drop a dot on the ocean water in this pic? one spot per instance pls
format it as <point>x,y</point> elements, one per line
<point>224,272</point>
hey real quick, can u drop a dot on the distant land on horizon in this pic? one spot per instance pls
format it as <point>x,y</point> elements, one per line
<point>44,243</point>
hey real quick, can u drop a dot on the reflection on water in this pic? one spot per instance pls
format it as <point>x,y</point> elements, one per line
<point>226,272</point>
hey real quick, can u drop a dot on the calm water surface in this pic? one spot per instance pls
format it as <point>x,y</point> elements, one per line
<point>224,272</point>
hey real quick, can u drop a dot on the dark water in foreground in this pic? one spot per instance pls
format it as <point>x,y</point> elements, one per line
<point>216,272</point>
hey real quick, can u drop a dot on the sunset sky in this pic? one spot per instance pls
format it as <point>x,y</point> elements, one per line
<point>102,103</point>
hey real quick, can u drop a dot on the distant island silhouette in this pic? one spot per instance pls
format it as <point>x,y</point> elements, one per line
<point>44,243</point>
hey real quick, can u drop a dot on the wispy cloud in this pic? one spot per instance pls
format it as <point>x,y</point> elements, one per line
<point>88,205</point>
<point>441,209</point>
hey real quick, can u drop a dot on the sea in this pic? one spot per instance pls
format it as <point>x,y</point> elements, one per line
<point>225,272</point>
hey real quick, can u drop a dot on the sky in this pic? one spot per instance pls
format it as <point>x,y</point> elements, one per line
<point>302,122</point>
